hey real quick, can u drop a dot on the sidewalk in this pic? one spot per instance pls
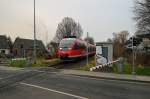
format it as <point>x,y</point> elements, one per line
<point>9,68</point>
<point>111,76</point>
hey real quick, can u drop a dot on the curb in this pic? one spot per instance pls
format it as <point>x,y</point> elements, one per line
<point>131,78</point>
<point>109,78</point>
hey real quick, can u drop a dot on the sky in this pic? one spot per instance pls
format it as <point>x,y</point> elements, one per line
<point>98,17</point>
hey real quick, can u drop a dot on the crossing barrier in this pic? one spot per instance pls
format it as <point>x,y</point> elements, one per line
<point>103,65</point>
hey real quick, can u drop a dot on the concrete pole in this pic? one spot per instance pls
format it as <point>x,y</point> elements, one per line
<point>34,53</point>
<point>133,63</point>
<point>87,58</point>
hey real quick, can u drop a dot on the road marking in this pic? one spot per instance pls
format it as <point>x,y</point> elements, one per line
<point>79,97</point>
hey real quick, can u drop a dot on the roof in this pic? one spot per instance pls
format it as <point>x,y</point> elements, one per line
<point>3,42</point>
<point>27,44</point>
<point>104,43</point>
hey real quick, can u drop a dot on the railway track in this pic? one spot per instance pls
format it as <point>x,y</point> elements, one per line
<point>69,64</point>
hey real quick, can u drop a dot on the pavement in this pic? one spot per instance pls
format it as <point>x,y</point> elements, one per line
<point>71,84</point>
<point>112,76</point>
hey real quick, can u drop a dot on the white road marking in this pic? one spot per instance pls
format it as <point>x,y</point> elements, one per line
<point>79,97</point>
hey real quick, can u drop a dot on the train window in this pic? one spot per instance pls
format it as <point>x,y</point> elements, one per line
<point>83,46</point>
<point>66,43</point>
<point>77,46</point>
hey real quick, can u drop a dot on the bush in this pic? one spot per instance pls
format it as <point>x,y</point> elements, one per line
<point>143,71</point>
<point>127,69</point>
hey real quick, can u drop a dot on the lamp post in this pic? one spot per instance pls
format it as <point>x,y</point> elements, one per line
<point>133,63</point>
<point>34,53</point>
<point>87,58</point>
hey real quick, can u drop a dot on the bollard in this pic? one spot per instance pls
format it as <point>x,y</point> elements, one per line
<point>29,61</point>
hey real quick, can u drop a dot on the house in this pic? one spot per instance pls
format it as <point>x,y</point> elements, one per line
<point>4,45</point>
<point>25,47</point>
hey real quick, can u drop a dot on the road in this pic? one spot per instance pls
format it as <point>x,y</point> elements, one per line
<point>55,85</point>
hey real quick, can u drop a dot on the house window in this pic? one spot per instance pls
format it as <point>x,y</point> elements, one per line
<point>21,46</point>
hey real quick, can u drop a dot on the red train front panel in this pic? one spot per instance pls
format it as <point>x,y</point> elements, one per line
<point>72,48</point>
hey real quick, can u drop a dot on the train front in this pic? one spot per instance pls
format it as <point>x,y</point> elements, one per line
<point>65,48</point>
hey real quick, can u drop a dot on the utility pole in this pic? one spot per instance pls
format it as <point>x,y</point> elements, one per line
<point>46,42</point>
<point>34,53</point>
<point>133,63</point>
<point>87,58</point>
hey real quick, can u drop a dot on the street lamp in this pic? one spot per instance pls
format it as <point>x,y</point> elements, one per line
<point>87,58</point>
<point>34,53</point>
<point>133,63</point>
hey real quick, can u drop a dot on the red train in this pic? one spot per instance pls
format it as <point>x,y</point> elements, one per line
<point>70,48</point>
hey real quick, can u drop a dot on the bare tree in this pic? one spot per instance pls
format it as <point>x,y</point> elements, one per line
<point>89,40</point>
<point>109,40</point>
<point>120,37</point>
<point>118,41</point>
<point>142,16</point>
<point>68,27</point>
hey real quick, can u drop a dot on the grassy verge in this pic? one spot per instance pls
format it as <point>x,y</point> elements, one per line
<point>143,71</point>
<point>42,62</point>
<point>127,68</point>
<point>87,67</point>
<point>36,63</point>
<point>139,70</point>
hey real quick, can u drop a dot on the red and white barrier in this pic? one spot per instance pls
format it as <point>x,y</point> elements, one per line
<point>100,66</point>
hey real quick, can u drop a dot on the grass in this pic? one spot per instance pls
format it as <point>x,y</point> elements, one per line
<point>36,63</point>
<point>87,67</point>
<point>127,69</point>
<point>18,63</point>
<point>43,62</point>
<point>143,71</point>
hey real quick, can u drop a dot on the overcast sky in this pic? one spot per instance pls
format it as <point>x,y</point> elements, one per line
<point>98,17</point>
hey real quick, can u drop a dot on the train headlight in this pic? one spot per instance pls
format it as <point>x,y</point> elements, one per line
<point>60,48</point>
<point>69,48</point>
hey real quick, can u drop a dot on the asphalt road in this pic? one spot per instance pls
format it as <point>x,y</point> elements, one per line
<point>55,85</point>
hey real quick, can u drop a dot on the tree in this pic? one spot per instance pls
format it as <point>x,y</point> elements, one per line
<point>118,41</point>
<point>68,27</point>
<point>120,37</point>
<point>142,17</point>
<point>109,40</point>
<point>89,40</point>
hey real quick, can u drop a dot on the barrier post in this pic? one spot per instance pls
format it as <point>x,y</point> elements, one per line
<point>120,64</point>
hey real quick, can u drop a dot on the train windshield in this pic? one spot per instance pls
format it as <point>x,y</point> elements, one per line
<point>66,43</point>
